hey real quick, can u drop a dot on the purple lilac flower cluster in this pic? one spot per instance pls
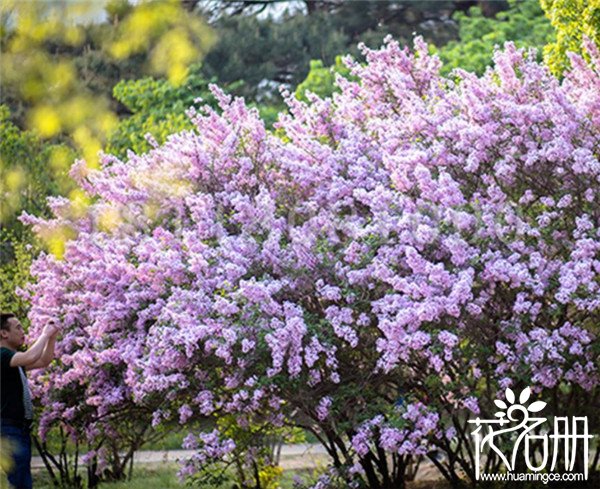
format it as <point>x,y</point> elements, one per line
<point>408,229</point>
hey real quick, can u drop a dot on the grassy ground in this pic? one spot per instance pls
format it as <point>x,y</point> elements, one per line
<point>160,477</point>
<point>149,478</point>
<point>163,476</point>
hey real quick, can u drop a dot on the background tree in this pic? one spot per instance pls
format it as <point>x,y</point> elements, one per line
<point>31,169</point>
<point>572,20</point>
<point>278,48</point>
<point>321,79</point>
<point>523,23</point>
<point>156,107</point>
<point>40,42</point>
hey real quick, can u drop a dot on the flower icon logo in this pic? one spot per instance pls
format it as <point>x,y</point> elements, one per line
<point>515,425</point>
<point>511,404</point>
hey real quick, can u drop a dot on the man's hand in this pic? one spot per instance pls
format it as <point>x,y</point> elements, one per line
<point>50,329</point>
<point>50,332</point>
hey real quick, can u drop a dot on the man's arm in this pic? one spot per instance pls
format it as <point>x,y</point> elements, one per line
<point>33,354</point>
<point>47,355</point>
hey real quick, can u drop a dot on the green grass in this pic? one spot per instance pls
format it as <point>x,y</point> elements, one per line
<point>149,478</point>
<point>162,476</point>
<point>144,477</point>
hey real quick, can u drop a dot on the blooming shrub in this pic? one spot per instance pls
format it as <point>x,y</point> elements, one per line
<point>374,272</point>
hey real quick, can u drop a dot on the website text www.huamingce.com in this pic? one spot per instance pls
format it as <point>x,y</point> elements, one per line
<point>533,477</point>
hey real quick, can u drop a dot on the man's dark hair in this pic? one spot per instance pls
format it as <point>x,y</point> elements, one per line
<point>4,317</point>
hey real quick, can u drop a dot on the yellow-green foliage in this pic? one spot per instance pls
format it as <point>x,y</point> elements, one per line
<point>572,19</point>
<point>30,170</point>
<point>157,107</point>
<point>270,476</point>
<point>47,70</point>
<point>262,439</point>
<point>173,37</point>
<point>320,79</point>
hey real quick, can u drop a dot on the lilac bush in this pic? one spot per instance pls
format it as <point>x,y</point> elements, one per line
<point>373,271</point>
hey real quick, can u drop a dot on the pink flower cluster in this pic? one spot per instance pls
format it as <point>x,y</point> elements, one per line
<point>411,233</point>
<point>210,448</point>
<point>410,437</point>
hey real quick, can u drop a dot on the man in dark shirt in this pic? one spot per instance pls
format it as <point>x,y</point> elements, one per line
<point>16,412</point>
